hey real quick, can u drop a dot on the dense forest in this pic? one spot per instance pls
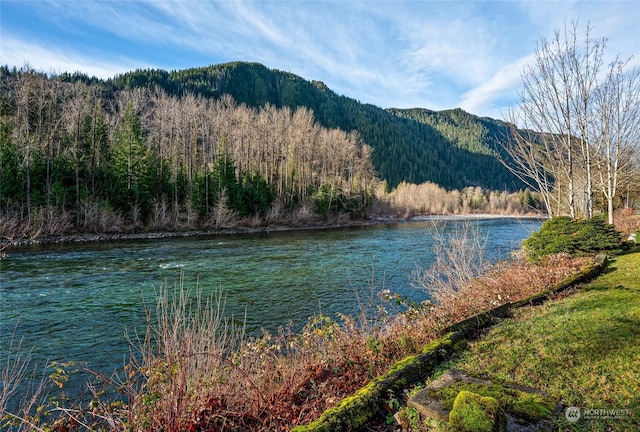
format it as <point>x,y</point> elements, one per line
<point>201,148</point>
<point>481,135</point>
<point>90,155</point>
<point>403,149</point>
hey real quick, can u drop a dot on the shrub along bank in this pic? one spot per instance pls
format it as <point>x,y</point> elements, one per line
<point>574,237</point>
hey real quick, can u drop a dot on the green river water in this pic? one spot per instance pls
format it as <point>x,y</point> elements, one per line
<point>75,302</point>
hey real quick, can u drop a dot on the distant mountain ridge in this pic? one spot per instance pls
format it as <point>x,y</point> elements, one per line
<point>451,148</point>
<point>468,131</point>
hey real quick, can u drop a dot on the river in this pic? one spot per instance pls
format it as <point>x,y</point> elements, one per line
<point>75,302</point>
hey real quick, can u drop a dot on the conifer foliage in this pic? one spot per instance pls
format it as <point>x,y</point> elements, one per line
<point>574,237</point>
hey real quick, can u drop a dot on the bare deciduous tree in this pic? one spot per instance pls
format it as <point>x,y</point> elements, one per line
<point>75,109</point>
<point>567,110</point>
<point>459,260</point>
<point>616,130</point>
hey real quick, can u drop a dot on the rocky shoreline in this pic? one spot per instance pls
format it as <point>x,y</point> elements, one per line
<point>14,243</point>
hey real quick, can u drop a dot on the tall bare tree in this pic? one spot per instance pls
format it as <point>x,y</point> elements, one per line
<point>616,128</point>
<point>76,109</point>
<point>530,158</point>
<point>566,110</point>
<point>37,125</point>
<point>585,65</point>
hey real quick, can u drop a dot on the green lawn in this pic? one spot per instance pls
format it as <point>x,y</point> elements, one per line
<point>584,349</point>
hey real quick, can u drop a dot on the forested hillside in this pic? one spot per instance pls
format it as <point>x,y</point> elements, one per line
<point>403,149</point>
<point>476,134</point>
<point>198,147</point>
<point>83,155</point>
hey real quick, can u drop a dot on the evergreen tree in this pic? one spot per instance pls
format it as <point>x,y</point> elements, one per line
<point>256,194</point>
<point>224,183</point>
<point>133,166</point>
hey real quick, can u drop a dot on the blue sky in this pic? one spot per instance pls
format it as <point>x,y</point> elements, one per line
<point>430,54</point>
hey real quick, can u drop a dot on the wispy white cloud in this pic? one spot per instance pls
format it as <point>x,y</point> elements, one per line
<point>459,49</point>
<point>615,20</point>
<point>57,60</point>
<point>489,96</point>
<point>128,20</point>
<point>391,53</point>
<point>213,27</point>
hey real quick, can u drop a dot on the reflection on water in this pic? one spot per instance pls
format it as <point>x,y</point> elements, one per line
<point>76,302</point>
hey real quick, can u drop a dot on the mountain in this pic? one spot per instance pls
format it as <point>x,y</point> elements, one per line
<point>451,148</point>
<point>467,131</point>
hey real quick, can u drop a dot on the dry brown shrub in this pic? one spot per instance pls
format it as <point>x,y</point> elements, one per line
<point>276,212</point>
<point>110,221</point>
<point>96,217</point>
<point>303,214</point>
<point>162,217</point>
<point>16,374</point>
<point>254,221</point>
<point>49,220</point>
<point>221,216</point>
<point>9,224</point>
<point>510,281</point>
<point>626,221</point>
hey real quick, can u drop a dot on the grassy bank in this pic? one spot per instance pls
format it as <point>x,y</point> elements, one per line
<point>582,348</point>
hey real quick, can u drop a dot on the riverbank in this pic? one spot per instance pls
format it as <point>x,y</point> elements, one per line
<point>580,348</point>
<point>284,378</point>
<point>149,235</point>
<point>7,243</point>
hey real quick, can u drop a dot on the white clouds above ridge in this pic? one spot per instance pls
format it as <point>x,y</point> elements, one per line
<point>431,54</point>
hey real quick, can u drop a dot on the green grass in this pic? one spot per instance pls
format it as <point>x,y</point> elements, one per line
<point>584,349</point>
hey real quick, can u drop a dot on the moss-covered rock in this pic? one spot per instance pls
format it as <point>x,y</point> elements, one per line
<point>533,407</point>
<point>355,411</point>
<point>474,413</point>
<point>520,405</point>
<point>527,405</point>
